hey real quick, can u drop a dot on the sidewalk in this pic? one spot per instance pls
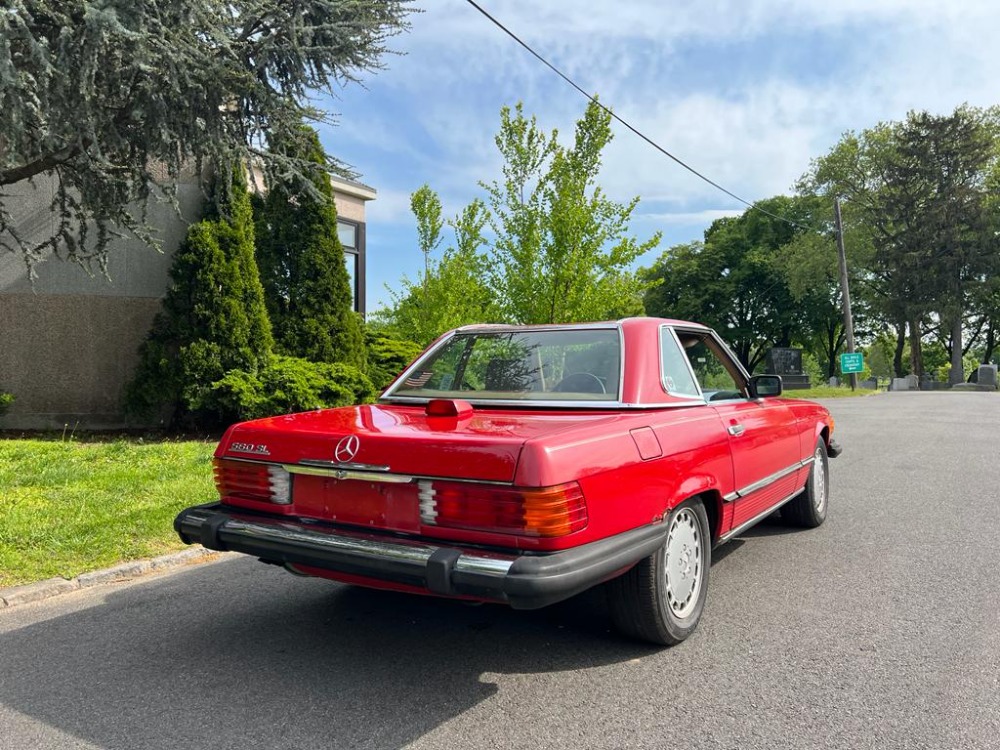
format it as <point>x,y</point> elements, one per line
<point>33,592</point>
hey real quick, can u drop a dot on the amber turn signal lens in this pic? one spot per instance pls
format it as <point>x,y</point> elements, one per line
<point>541,512</point>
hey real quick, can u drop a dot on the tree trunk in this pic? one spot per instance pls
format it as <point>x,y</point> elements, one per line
<point>991,342</point>
<point>916,352</point>
<point>957,373</point>
<point>897,356</point>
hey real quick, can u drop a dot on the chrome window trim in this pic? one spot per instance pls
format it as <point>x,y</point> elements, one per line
<point>389,395</point>
<point>710,333</point>
<point>694,378</point>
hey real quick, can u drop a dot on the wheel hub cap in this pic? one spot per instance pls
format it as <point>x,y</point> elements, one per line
<point>819,481</point>
<point>683,563</point>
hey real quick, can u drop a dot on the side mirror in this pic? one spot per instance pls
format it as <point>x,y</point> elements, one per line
<point>765,386</point>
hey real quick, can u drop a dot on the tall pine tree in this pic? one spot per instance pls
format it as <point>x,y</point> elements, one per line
<point>213,319</point>
<point>301,261</point>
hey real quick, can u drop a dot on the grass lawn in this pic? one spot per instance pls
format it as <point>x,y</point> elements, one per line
<point>826,391</point>
<point>68,507</point>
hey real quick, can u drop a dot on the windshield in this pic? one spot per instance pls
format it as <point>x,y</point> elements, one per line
<point>539,365</point>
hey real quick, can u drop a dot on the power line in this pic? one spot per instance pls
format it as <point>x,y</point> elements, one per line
<point>627,124</point>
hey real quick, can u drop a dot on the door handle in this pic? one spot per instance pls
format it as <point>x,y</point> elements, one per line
<point>736,429</point>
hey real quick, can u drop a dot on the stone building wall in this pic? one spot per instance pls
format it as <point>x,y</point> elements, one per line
<point>69,341</point>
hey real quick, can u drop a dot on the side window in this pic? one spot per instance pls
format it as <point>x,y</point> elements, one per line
<point>674,371</point>
<point>716,381</point>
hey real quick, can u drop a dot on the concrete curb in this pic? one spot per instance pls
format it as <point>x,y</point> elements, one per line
<point>34,592</point>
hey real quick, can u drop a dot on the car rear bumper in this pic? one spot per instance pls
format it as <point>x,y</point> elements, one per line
<point>522,580</point>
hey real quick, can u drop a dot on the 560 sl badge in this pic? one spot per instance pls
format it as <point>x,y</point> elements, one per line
<point>257,449</point>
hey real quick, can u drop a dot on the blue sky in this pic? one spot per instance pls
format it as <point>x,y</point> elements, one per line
<point>747,92</point>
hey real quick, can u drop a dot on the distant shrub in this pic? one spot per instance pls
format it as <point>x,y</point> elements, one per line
<point>387,357</point>
<point>285,385</point>
<point>812,368</point>
<point>6,399</point>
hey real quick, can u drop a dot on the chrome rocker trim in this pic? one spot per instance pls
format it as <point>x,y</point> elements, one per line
<point>522,580</point>
<point>768,480</point>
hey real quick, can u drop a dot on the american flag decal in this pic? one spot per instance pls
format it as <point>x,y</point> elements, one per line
<point>418,380</point>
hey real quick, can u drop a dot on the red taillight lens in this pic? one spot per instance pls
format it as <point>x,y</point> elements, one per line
<point>252,481</point>
<point>546,511</point>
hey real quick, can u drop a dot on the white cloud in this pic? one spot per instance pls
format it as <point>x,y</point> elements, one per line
<point>747,92</point>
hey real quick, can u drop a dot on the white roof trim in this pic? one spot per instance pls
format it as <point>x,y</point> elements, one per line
<point>354,189</point>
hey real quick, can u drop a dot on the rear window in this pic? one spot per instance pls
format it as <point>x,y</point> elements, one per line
<point>543,365</point>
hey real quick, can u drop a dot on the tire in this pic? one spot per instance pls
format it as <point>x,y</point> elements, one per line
<point>808,508</point>
<point>648,604</point>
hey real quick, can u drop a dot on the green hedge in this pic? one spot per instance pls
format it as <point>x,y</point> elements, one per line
<point>285,385</point>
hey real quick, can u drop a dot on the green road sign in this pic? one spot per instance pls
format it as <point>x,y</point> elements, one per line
<point>853,362</point>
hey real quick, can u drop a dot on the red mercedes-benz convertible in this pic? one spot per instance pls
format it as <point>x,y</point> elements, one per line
<point>525,464</point>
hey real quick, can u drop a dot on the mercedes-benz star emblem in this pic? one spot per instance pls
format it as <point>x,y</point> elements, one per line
<point>346,449</point>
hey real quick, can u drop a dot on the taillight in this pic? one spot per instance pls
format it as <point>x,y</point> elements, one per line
<point>545,511</point>
<point>252,481</point>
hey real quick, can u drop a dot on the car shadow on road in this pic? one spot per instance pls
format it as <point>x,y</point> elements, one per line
<point>237,654</point>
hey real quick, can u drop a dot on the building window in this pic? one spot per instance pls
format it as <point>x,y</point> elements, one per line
<point>352,237</point>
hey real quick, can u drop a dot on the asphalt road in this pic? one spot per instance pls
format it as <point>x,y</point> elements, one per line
<point>877,630</point>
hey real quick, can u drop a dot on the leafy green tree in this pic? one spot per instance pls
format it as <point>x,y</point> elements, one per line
<point>562,252</point>
<point>306,286</point>
<point>111,98</point>
<point>811,267</point>
<point>855,169</point>
<point>450,292</point>
<point>213,319</point>
<point>734,281</point>
<point>920,189</point>
<point>938,183</point>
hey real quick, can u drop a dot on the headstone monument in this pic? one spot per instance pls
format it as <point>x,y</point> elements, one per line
<point>988,375</point>
<point>787,363</point>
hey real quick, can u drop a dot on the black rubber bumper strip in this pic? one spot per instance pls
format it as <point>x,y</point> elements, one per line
<point>527,581</point>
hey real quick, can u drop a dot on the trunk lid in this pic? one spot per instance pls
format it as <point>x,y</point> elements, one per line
<point>483,446</point>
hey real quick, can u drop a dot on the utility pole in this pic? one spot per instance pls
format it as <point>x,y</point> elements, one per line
<point>845,291</point>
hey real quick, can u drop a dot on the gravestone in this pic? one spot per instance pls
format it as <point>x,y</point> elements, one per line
<point>869,385</point>
<point>834,381</point>
<point>900,384</point>
<point>912,382</point>
<point>786,362</point>
<point>987,375</point>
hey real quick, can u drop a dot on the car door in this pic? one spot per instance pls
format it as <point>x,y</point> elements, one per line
<point>764,444</point>
<point>763,436</point>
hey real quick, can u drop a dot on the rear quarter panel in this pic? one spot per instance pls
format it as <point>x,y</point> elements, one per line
<point>623,488</point>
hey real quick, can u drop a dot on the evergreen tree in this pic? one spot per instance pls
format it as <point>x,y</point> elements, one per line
<point>306,285</point>
<point>213,319</point>
<point>113,97</point>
